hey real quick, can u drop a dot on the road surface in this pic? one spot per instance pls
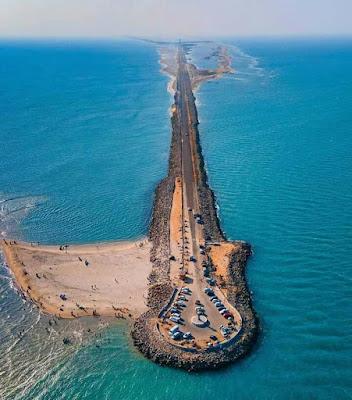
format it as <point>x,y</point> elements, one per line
<point>192,232</point>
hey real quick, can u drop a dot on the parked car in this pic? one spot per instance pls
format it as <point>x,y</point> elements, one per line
<point>187,335</point>
<point>174,329</point>
<point>211,281</point>
<point>225,331</point>
<point>177,335</point>
<point>175,319</point>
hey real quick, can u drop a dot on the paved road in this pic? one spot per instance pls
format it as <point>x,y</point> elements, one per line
<point>193,232</point>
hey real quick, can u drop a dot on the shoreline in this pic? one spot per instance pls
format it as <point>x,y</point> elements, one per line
<point>82,275</point>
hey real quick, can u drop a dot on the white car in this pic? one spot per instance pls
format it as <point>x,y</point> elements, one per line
<point>175,319</point>
<point>177,315</point>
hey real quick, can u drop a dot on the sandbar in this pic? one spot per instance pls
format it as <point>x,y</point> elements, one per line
<point>108,279</point>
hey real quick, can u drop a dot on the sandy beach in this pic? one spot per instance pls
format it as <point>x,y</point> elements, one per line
<point>100,279</point>
<point>168,64</point>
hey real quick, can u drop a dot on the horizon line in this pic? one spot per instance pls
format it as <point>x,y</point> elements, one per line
<point>156,38</point>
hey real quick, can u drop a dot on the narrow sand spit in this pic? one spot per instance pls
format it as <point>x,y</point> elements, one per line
<point>100,279</point>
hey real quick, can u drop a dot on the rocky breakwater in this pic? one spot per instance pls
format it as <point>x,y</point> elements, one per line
<point>160,287</point>
<point>152,344</point>
<point>146,334</point>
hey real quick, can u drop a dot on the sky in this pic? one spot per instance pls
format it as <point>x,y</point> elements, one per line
<point>174,18</point>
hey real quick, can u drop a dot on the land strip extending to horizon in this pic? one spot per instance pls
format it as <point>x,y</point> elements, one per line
<point>184,286</point>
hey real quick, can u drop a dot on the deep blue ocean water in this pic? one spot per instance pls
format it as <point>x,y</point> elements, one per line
<point>84,139</point>
<point>85,134</point>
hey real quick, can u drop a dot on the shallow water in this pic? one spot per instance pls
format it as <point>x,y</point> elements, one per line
<point>276,139</point>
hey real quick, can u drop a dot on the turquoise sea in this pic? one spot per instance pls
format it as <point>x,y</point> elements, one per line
<point>84,130</point>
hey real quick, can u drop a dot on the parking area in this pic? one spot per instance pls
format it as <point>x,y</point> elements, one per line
<point>199,323</point>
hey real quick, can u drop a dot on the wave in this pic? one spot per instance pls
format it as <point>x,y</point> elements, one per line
<point>31,343</point>
<point>251,64</point>
<point>13,209</point>
<point>245,65</point>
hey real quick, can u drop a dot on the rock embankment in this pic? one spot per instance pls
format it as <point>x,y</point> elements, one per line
<point>146,333</point>
<point>151,343</point>
<point>159,230</point>
<point>212,229</point>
